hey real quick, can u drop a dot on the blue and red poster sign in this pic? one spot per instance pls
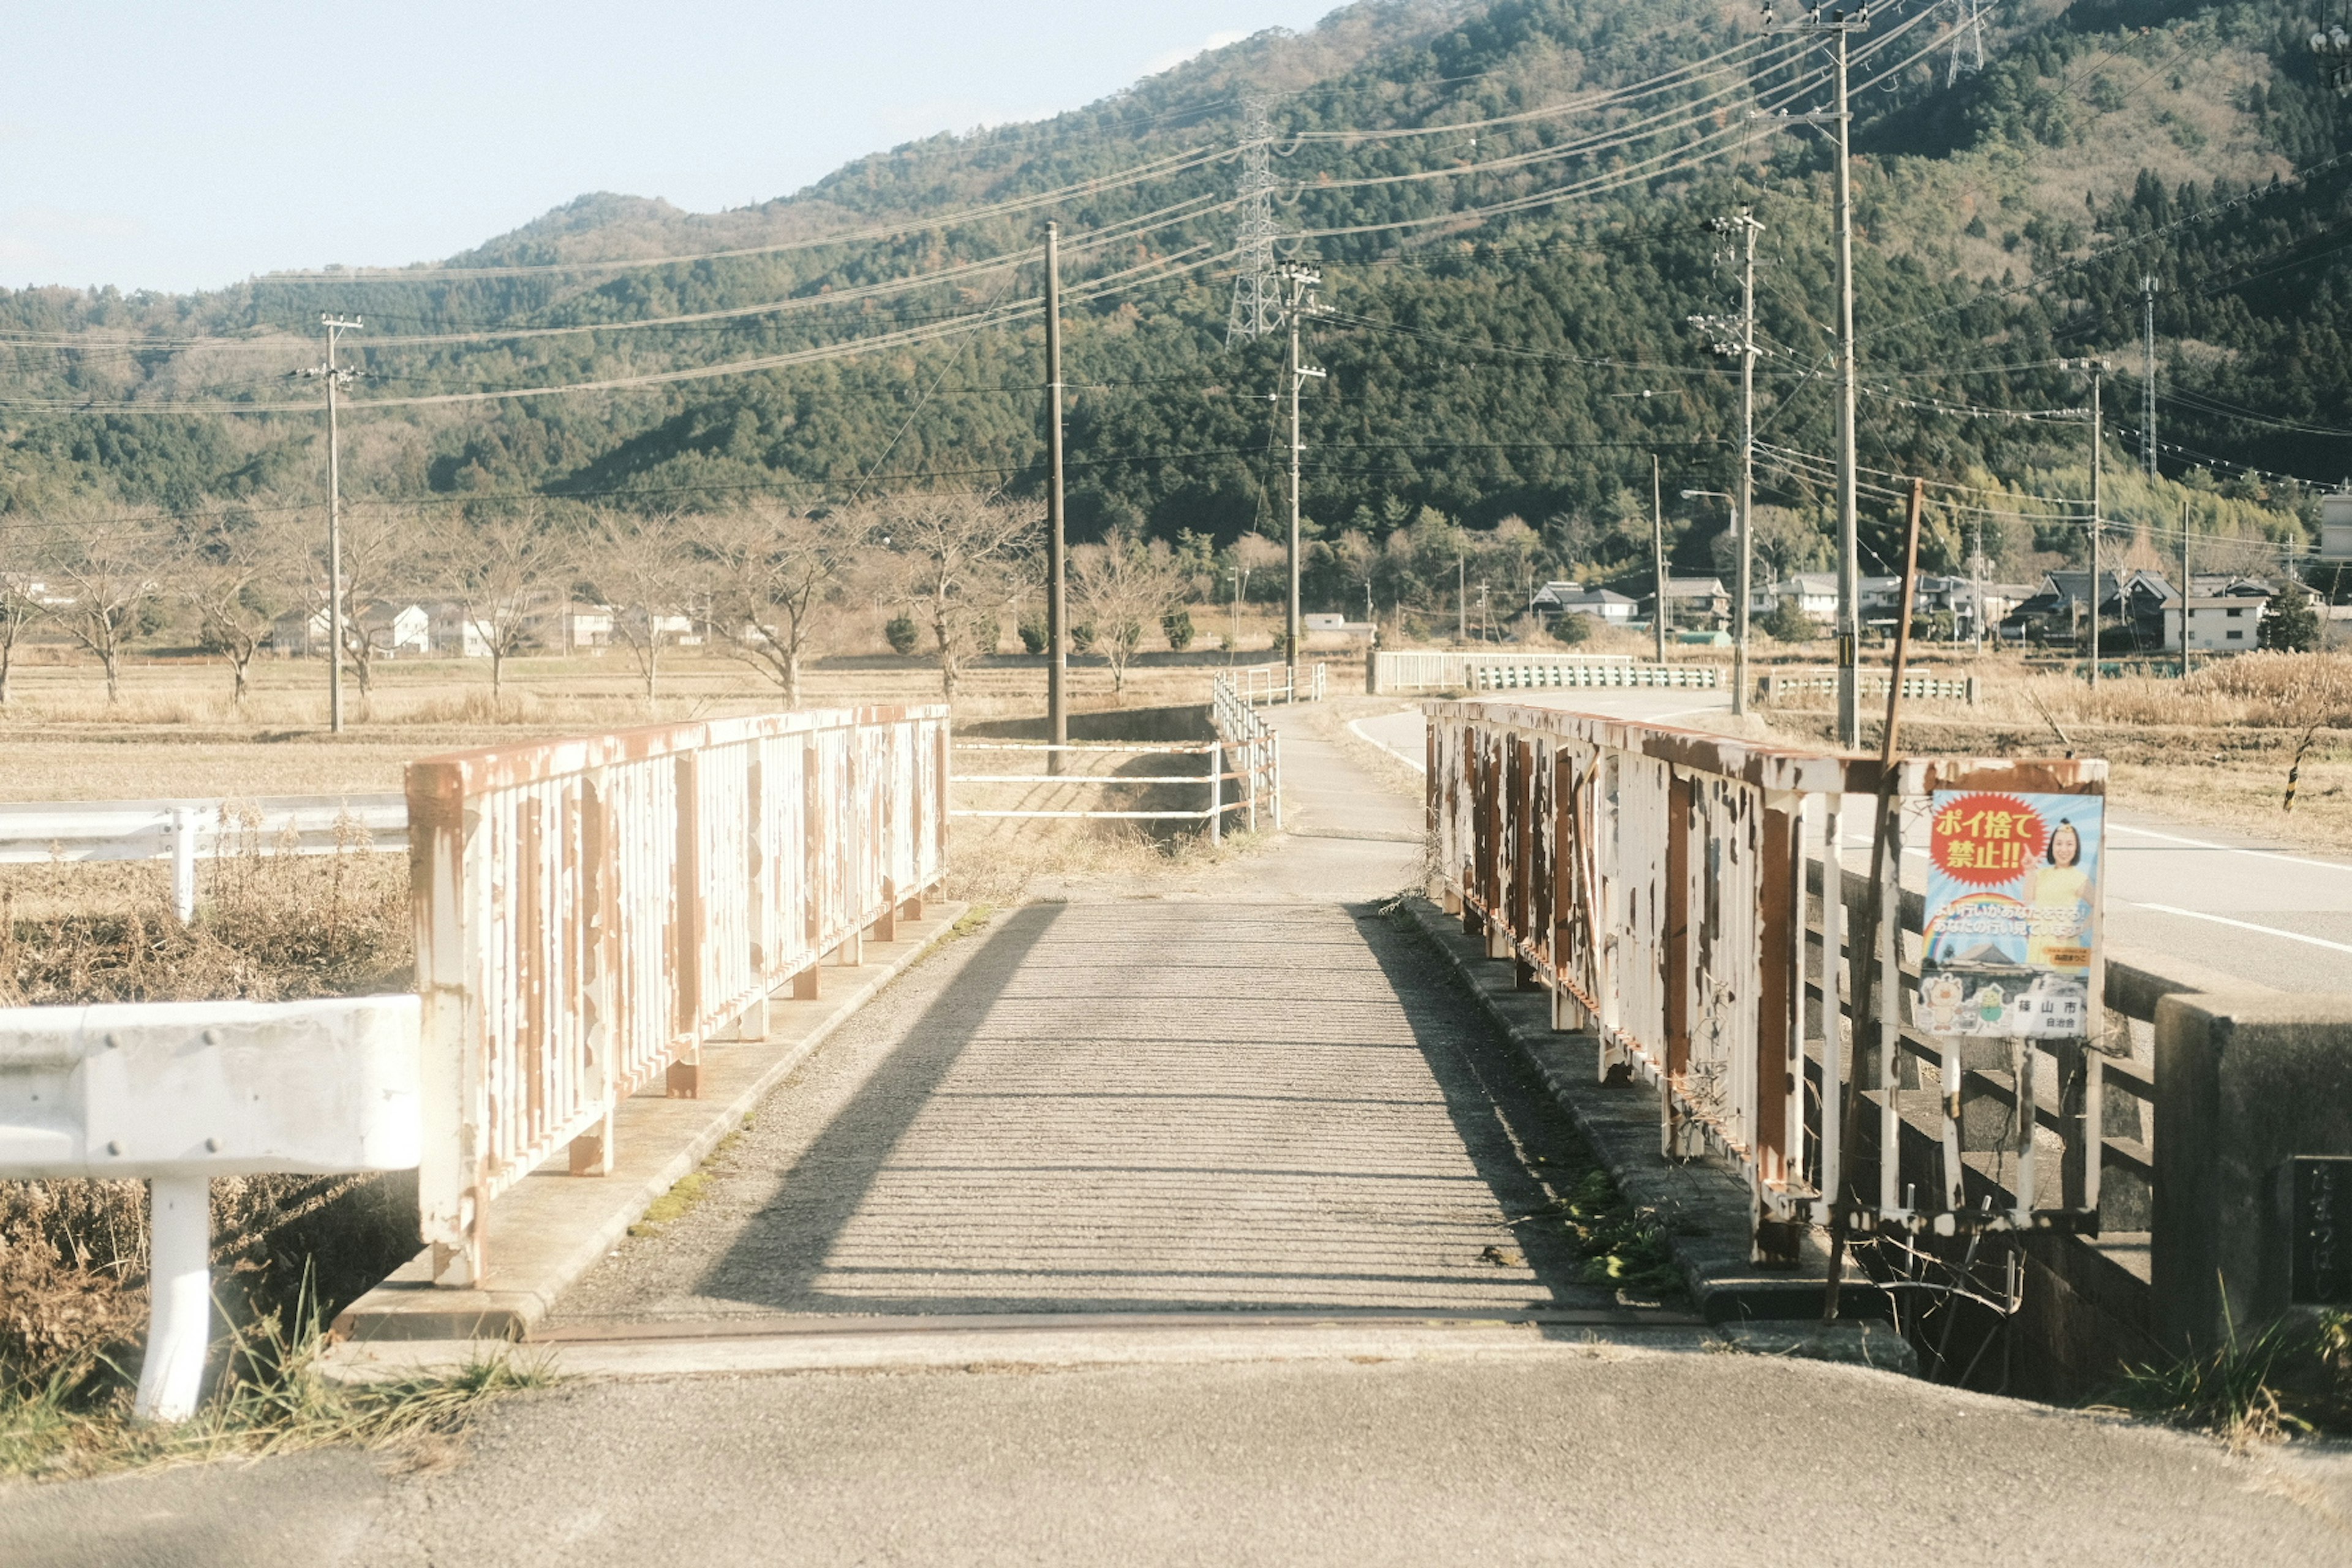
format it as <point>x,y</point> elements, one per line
<point>2012,918</point>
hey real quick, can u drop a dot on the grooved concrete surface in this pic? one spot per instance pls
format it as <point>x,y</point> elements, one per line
<point>1134,1106</point>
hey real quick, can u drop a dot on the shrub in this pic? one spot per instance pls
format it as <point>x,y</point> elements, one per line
<point>1785,623</point>
<point>1178,625</point>
<point>1571,629</point>
<point>1033,634</point>
<point>1082,637</point>
<point>903,634</point>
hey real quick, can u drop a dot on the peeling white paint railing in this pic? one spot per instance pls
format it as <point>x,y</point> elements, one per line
<point>1779,683</point>
<point>180,1092</point>
<point>590,912</point>
<point>1270,683</point>
<point>187,831</point>
<point>1235,779</point>
<point>1448,669</point>
<point>1655,880</point>
<point>1517,675</point>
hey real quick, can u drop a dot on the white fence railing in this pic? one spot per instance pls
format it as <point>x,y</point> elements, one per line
<point>1232,779</point>
<point>590,912</point>
<point>187,831</point>
<point>1514,675</point>
<point>1270,683</point>
<point>1655,879</point>
<point>1781,683</point>
<point>1448,669</point>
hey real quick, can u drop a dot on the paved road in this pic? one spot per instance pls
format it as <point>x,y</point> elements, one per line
<point>1593,1455</point>
<point>2233,902</point>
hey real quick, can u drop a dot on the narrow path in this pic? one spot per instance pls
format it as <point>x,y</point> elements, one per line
<point>1251,1090</point>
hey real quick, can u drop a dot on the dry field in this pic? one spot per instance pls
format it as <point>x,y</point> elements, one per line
<point>2213,751</point>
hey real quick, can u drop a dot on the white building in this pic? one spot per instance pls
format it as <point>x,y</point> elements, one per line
<point>1575,599</point>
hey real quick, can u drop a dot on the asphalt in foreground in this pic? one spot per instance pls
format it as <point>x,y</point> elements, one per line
<point>1597,1454</point>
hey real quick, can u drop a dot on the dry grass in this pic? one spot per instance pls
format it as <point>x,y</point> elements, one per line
<point>2213,751</point>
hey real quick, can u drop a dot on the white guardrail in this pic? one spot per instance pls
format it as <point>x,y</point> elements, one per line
<point>180,1092</point>
<point>187,831</point>
<point>1516,675</point>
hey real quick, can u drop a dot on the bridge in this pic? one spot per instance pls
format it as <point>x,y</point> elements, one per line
<point>1444,1179</point>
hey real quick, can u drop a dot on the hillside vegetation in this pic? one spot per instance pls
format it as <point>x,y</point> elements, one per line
<point>1483,364</point>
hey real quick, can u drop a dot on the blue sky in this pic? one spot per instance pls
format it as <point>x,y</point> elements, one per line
<point>177,146</point>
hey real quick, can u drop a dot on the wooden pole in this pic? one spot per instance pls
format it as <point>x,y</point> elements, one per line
<point>1865,967</point>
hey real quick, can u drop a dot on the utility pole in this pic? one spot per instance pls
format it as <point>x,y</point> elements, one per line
<point>2148,358</point>
<point>1300,302</point>
<point>1976,583</point>
<point>1849,626</point>
<point>2097,466</point>
<point>1840,24</point>
<point>1057,659</point>
<point>336,378</point>
<point>2184,587</point>
<point>1744,518</point>
<point>1461,598</point>
<point>1658,558</point>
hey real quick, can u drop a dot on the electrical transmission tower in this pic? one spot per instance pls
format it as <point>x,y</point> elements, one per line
<point>1257,293</point>
<point>1968,37</point>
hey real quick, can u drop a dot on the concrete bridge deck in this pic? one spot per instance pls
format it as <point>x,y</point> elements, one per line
<point>1252,1092</point>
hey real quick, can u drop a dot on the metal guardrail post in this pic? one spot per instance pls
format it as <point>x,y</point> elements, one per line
<point>1216,792</point>
<point>180,1289</point>
<point>183,863</point>
<point>1275,742</point>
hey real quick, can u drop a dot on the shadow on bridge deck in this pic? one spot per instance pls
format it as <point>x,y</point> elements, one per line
<point>1136,1107</point>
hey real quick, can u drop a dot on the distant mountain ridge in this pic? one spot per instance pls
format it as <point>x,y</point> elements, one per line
<point>1525,365</point>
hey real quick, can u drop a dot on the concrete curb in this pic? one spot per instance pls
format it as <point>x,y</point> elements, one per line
<point>551,1228</point>
<point>1703,1203</point>
<point>952,1344</point>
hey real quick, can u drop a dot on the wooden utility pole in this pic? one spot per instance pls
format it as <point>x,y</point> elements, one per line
<point>1057,659</point>
<point>1658,558</point>
<point>1866,962</point>
<point>336,378</point>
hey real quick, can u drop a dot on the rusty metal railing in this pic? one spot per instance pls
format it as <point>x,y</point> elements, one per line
<point>1663,885</point>
<point>590,912</point>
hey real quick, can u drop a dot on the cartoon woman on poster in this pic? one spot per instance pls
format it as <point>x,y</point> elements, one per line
<point>2058,894</point>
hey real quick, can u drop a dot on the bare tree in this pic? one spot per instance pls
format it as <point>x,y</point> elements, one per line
<point>238,577</point>
<point>381,559</point>
<point>1123,585</point>
<point>769,571</point>
<point>107,563</point>
<point>643,566</point>
<point>501,572</point>
<point>953,554</point>
<point>20,605</point>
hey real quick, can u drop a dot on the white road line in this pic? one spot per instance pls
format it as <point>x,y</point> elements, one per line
<point>1417,765</point>
<point>2229,848</point>
<point>2243,925</point>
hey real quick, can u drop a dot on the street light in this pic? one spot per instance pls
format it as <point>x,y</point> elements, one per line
<point>1739,610</point>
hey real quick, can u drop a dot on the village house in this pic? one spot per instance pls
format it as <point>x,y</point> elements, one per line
<point>1574,599</point>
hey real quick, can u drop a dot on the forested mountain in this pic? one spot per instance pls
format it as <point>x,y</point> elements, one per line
<point>1510,203</point>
